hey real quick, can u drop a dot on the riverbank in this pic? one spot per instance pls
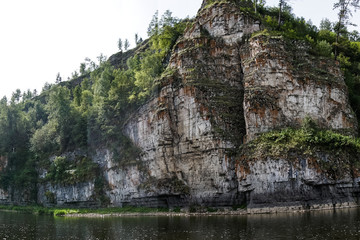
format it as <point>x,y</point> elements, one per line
<point>192,211</point>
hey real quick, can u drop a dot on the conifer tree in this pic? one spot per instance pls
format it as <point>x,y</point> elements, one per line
<point>120,45</point>
<point>345,12</point>
<point>126,45</point>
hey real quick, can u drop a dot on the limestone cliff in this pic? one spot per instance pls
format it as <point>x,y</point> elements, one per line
<point>222,88</point>
<point>284,84</point>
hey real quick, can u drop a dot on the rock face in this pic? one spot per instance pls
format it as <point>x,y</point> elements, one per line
<point>284,84</point>
<point>80,195</point>
<point>220,90</point>
<point>296,183</point>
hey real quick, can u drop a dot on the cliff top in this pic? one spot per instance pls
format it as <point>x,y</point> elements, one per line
<point>238,2</point>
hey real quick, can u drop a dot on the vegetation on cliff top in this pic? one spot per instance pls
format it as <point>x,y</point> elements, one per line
<point>332,40</point>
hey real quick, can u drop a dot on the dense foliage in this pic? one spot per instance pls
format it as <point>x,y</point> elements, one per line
<point>82,113</point>
<point>307,139</point>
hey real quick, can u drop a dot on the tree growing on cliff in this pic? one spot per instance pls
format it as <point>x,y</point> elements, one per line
<point>120,45</point>
<point>82,69</point>
<point>153,28</point>
<point>326,24</point>
<point>258,3</point>
<point>136,39</point>
<point>126,45</point>
<point>346,7</point>
<point>282,6</point>
<point>58,78</point>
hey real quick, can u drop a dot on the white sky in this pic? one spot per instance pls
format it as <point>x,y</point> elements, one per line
<point>40,38</point>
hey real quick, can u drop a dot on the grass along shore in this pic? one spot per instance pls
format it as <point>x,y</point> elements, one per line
<point>40,210</point>
<point>144,211</point>
<point>120,211</point>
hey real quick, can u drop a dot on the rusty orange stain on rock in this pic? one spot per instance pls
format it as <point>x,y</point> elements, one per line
<point>274,115</point>
<point>312,162</point>
<point>189,90</point>
<point>162,114</point>
<point>242,171</point>
<point>204,112</point>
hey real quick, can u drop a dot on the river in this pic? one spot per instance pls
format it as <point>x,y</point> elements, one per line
<point>338,224</point>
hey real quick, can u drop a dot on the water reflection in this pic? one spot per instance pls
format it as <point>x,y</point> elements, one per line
<point>339,224</point>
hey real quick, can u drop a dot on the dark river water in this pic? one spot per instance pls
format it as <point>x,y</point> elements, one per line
<point>340,224</point>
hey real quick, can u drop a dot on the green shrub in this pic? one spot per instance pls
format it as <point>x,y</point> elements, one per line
<point>65,171</point>
<point>324,48</point>
<point>63,212</point>
<point>307,139</point>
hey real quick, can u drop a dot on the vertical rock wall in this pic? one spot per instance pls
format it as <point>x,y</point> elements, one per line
<point>186,132</point>
<point>284,84</point>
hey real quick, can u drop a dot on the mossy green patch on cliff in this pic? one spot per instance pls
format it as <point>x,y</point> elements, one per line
<point>64,171</point>
<point>332,153</point>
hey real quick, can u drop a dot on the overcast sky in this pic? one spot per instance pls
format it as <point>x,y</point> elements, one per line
<point>40,38</point>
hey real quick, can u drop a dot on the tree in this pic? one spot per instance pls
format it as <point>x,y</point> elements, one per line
<point>91,64</point>
<point>282,5</point>
<point>59,108</point>
<point>102,59</point>
<point>167,19</point>
<point>344,15</point>
<point>74,75</point>
<point>354,36</point>
<point>126,44</point>
<point>153,28</point>
<point>58,78</point>
<point>326,24</point>
<point>258,3</point>
<point>15,98</point>
<point>27,95</point>
<point>47,86</point>
<point>120,45</point>
<point>82,69</point>
<point>136,39</point>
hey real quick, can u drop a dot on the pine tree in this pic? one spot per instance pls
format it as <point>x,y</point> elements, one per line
<point>58,78</point>
<point>282,5</point>
<point>120,45</point>
<point>136,39</point>
<point>126,44</point>
<point>344,15</point>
